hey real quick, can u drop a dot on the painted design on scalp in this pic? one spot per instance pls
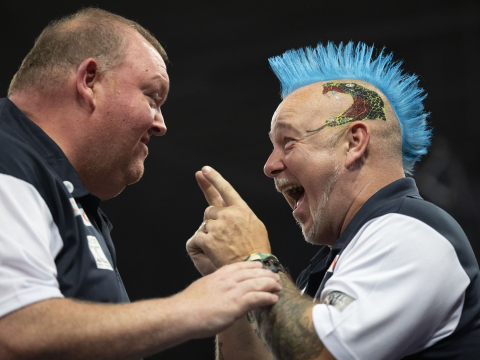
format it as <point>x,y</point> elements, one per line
<point>302,67</point>
<point>367,104</point>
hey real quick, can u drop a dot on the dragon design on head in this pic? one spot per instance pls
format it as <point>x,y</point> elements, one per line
<point>299,68</point>
<point>367,104</point>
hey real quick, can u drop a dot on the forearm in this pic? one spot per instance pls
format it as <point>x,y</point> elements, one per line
<point>241,341</point>
<point>287,327</point>
<point>61,328</point>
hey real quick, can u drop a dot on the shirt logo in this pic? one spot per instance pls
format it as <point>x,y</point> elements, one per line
<point>69,186</point>
<point>80,212</point>
<point>74,207</point>
<point>338,300</point>
<point>332,265</point>
<point>85,219</point>
<point>98,254</point>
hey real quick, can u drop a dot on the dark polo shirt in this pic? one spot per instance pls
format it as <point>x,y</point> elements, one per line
<point>86,263</point>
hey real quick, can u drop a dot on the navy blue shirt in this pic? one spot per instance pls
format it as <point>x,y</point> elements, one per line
<point>86,264</point>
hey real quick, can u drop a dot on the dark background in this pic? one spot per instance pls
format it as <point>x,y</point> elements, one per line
<point>223,95</point>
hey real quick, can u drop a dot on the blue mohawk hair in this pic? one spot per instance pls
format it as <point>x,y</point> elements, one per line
<point>298,68</point>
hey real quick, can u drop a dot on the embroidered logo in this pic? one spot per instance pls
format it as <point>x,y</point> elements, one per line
<point>69,186</point>
<point>85,219</point>
<point>74,207</point>
<point>98,254</point>
<point>332,265</point>
<point>80,212</point>
<point>338,300</point>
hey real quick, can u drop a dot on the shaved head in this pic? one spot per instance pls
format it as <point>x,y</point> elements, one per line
<point>331,109</point>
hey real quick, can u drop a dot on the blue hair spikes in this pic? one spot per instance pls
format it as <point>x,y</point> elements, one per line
<point>302,67</point>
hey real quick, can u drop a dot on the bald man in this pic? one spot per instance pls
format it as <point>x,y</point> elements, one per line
<point>73,131</point>
<point>395,277</point>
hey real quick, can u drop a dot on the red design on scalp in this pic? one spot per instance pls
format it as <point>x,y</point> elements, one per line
<point>332,88</point>
<point>358,110</point>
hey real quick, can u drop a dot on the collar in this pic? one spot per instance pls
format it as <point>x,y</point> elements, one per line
<point>18,125</point>
<point>380,203</point>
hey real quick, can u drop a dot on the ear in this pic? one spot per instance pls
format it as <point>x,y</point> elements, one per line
<point>87,76</point>
<point>358,137</point>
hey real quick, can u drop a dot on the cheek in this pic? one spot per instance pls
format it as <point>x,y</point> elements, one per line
<point>300,162</point>
<point>316,172</point>
<point>138,117</point>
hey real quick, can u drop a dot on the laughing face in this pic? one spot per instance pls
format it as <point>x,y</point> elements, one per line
<point>305,163</point>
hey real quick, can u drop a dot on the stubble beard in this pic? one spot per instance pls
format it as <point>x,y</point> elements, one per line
<point>318,214</point>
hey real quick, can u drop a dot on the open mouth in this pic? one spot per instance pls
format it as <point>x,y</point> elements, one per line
<point>295,194</point>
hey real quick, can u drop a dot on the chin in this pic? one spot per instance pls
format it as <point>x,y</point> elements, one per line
<point>313,228</point>
<point>311,234</point>
<point>134,173</point>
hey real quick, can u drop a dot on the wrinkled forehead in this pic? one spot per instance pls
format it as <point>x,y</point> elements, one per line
<point>307,106</point>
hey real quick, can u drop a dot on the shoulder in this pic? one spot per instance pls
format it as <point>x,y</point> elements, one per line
<point>431,215</point>
<point>397,234</point>
<point>17,158</point>
<point>22,166</point>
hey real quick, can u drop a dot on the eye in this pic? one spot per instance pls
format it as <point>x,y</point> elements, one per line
<point>287,140</point>
<point>154,99</point>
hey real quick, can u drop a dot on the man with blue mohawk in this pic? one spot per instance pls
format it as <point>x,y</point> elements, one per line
<point>396,277</point>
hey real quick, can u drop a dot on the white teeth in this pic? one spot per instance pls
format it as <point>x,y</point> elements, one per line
<point>292,189</point>
<point>288,187</point>
<point>335,94</point>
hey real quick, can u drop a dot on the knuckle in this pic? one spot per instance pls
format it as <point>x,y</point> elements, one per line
<point>205,214</point>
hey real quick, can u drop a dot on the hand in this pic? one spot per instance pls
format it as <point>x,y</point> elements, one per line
<point>203,264</point>
<point>216,301</point>
<point>201,261</point>
<point>233,230</point>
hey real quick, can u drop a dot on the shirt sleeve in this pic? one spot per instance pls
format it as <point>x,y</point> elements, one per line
<point>397,289</point>
<point>29,242</point>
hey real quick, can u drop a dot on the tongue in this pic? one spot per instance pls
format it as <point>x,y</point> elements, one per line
<point>298,202</point>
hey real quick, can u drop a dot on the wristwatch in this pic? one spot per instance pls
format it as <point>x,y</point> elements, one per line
<point>269,262</point>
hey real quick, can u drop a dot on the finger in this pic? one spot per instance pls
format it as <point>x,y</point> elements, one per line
<point>234,268</point>
<point>255,299</point>
<point>261,284</point>
<point>212,212</point>
<point>192,246</point>
<point>247,274</point>
<point>212,196</point>
<point>226,191</point>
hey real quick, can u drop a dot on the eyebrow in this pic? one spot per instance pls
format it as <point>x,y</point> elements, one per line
<point>281,126</point>
<point>163,85</point>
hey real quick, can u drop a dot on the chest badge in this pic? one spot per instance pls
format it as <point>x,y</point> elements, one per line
<point>98,254</point>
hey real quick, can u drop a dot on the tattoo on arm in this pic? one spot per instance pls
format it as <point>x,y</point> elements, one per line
<point>287,327</point>
<point>251,320</point>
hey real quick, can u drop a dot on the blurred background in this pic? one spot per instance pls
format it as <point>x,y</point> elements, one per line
<point>223,95</point>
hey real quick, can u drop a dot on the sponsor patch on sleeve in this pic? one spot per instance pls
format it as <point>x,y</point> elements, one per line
<point>338,300</point>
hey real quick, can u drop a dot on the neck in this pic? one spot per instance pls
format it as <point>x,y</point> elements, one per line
<point>364,187</point>
<point>53,116</point>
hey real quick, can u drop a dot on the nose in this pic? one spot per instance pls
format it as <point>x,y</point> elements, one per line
<point>274,165</point>
<point>158,127</point>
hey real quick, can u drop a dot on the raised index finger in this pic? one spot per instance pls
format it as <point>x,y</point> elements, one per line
<point>211,194</point>
<point>228,193</point>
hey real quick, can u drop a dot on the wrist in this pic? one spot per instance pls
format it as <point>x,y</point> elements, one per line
<point>268,261</point>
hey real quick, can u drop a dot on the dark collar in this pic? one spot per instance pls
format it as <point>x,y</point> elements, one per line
<point>15,123</point>
<point>380,203</point>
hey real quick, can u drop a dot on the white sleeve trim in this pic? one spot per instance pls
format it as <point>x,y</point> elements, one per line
<point>408,286</point>
<point>29,243</point>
